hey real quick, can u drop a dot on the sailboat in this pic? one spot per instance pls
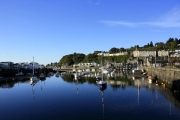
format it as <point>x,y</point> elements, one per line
<point>33,77</point>
<point>19,73</point>
<point>102,84</point>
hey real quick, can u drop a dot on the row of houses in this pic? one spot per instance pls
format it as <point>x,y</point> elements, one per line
<point>23,65</point>
<point>138,53</point>
<point>115,54</point>
<point>86,64</point>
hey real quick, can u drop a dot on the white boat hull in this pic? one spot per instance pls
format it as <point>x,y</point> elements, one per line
<point>34,78</point>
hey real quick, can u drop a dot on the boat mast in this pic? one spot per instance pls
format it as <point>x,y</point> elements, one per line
<point>33,65</point>
<point>102,66</point>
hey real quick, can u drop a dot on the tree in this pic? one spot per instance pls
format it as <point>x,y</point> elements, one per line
<point>71,59</point>
<point>160,46</point>
<point>91,58</point>
<point>151,44</point>
<point>113,50</point>
<point>173,45</point>
<point>121,49</point>
<point>170,40</point>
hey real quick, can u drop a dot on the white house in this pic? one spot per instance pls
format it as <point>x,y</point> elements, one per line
<point>86,64</point>
<point>144,53</point>
<point>36,65</point>
<point>26,65</point>
<point>2,66</point>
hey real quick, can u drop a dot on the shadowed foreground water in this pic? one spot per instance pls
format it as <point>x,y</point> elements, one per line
<point>64,98</point>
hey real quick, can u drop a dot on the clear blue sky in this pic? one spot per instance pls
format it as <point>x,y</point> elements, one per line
<point>50,29</point>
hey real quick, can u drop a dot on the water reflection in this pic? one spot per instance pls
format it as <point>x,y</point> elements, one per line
<point>77,90</point>
<point>11,83</point>
<point>126,96</point>
<point>32,84</point>
<point>102,88</point>
<point>122,81</point>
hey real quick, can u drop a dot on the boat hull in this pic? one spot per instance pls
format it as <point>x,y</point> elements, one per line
<point>34,78</point>
<point>102,85</point>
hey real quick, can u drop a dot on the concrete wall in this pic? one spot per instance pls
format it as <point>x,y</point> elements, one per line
<point>168,76</point>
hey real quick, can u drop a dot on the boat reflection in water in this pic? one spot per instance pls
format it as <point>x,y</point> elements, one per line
<point>102,87</point>
<point>33,91</point>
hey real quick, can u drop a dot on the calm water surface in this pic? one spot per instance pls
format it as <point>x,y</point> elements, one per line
<point>64,98</point>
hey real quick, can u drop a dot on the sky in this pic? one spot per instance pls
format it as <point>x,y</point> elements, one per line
<point>51,29</point>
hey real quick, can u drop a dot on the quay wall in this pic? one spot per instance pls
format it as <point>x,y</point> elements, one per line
<point>169,76</point>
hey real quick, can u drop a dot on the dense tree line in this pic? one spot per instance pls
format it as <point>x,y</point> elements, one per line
<point>170,44</point>
<point>72,59</point>
<point>116,50</point>
<point>92,57</point>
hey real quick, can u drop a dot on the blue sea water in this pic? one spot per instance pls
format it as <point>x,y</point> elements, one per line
<point>62,98</point>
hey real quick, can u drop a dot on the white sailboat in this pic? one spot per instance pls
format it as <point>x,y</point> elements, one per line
<point>19,73</point>
<point>102,84</point>
<point>33,78</point>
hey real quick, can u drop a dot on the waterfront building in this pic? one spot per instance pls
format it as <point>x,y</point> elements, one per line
<point>175,53</point>
<point>2,66</point>
<point>36,65</point>
<point>7,64</point>
<point>114,54</point>
<point>24,65</point>
<point>17,66</point>
<point>41,66</point>
<point>85,65</point>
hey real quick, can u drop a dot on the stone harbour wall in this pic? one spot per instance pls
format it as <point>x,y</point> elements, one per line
<point>171,77</point>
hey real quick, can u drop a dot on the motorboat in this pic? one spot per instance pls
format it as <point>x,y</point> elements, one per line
<point>111,74</point>
<point>105,71</point>
<point>19,74</point>
<point>42,76</point>
<point>137,71</point>
<point>33,79</point>
<point>86,73</point>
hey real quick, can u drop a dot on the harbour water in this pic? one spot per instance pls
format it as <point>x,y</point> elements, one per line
<point>63,98</point>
